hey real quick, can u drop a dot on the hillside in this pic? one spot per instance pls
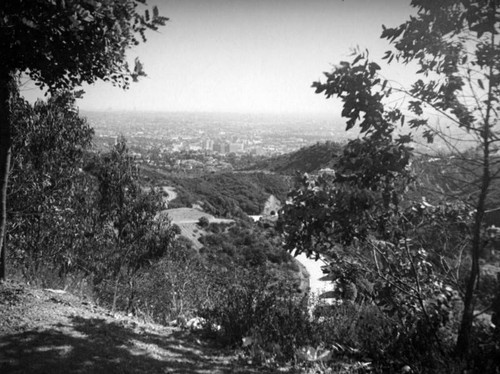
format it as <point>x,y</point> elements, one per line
<point>50,331</point>
<point>230,195</point>
<point>187,218</point>
<point>305,160</point>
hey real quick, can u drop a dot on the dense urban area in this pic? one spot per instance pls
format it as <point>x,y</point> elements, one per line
<point>206,142</point>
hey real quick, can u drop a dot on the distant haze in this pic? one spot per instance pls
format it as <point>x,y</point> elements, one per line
<point>249,56</point>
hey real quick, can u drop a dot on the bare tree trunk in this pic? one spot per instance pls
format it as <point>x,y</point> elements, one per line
<point>465,332</point>
<point>115,292</point>
<point>464,335</point>
<point>6,82</point>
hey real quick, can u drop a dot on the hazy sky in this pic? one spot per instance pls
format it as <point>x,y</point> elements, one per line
<point>249,55</point>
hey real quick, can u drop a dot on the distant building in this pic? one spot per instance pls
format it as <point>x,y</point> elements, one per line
<point>235,147</point>
<point>259,151</point>
<point>208,145</point>
<point>221,147</point>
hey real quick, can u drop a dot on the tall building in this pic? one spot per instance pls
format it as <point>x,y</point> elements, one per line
<point>208,145</point>
<point>221,147</point>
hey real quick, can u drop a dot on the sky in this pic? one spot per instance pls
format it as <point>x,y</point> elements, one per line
<point>249,56</point>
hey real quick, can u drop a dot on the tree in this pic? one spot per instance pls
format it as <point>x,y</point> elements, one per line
<point>203,222</point>
<point>134,235</point>
<point>46,183</point>
<point>60,45</point>
<point>455,45</point>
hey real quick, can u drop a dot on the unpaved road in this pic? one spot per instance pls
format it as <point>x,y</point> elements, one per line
<point>313,267</point>
<point>171,193</point>
<point>42,331</point>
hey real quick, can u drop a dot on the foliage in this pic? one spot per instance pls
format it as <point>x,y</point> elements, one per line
<point>46,179</point>
<point>203,222</point>
<point>454,45</point>
<point>173,287</point>
<point>74,214</point>
<point>458,53</point>
<point>275,325</point>
<point>62,44</point>
<point>444,177</point>
<point>246,246</point>
<point>387,250</point>
<point>346,206</point>
<point>128,215</point>
<point>254,305</point>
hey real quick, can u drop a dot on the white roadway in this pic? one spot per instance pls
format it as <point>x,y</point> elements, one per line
<point>313,267</point>
<point>171,194</point>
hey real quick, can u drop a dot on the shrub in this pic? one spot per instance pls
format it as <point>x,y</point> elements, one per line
<point>251,306</point>
<point>203,222</point>
<point>173,287</point>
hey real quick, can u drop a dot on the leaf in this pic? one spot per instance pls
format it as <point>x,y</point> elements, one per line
<point>318,87</point>
<point>87,17</point>
<point>358,57</point>
<point>324,356</point>
<point>29,23</point>
<point>384,85</point>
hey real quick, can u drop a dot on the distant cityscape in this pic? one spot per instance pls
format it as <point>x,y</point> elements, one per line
<point>209,141</point>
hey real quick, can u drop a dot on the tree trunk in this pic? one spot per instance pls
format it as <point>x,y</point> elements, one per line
<point>115,293</point>
<point>465,332</point>
<point>464,335</point>
<point>6,82</point>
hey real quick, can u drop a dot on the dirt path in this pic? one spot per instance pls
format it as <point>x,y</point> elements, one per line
<point>42,331</point>
<point>314,269</point>
<point>171,193</point>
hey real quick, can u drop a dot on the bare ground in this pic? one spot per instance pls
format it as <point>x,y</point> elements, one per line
<point>45,331</point>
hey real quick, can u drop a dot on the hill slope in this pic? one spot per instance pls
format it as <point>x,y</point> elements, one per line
<point>305,160</point>
<point>230,195</point>
<point>44,331</point>
<point>187,218</point>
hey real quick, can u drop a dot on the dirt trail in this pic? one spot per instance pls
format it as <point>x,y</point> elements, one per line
<point>42,331</point>
<point>171,193</point>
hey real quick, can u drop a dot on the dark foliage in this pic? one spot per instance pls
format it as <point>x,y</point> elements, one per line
<point>305,160</point>
<point>229,194</point>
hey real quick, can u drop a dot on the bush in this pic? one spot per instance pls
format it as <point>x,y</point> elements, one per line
<point>176,286</point>
<point>249,305</point>
<point>203,222</point>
